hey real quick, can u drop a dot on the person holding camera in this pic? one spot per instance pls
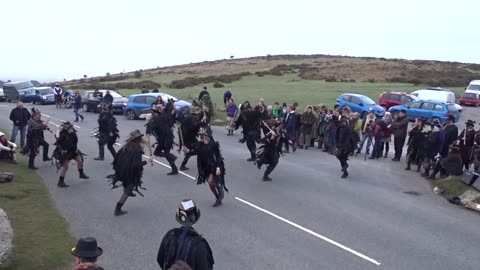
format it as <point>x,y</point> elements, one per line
<point>367,130</point>
<point>399,130</point>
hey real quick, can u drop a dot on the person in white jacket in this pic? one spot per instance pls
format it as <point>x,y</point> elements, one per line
<point>7,149</point>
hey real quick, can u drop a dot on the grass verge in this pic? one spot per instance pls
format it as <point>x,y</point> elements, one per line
<point>453,187</point>
<point>41,236</point>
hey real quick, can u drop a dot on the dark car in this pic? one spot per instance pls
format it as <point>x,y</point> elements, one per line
<point>390,99</point>
<point>91,103</point>
<point>40,95</point>
<point>16,90</point>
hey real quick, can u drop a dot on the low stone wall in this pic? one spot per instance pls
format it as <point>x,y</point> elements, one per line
<point>6,236</point>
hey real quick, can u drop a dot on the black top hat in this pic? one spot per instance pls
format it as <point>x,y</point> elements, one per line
<point>470,123</point>
<point>134,135</point>
<point>87,248</point>
<point>422,119</point>
<point>66,125</point>
<point>35,111</point>
<point>451,118</point>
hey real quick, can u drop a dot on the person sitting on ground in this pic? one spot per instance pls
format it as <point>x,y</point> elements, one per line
<point>452,165</point>
<point>86,252</point>
<point>184,243</point>
<point>7,149</point>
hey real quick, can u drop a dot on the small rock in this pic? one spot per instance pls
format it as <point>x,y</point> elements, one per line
<point>6,236</point>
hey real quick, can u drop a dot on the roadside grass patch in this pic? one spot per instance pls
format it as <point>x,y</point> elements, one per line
<point>453,187</point>
<point>41,236</point>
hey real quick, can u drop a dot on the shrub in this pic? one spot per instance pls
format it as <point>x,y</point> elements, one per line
<point>218,85</point>
<point>331,79</point>
<point>137,74</point>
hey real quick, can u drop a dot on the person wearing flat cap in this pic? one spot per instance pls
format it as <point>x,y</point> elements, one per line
<point>87,252</point>
<point>467,140</point>
<point>128,167</point>
<point>451,135</point>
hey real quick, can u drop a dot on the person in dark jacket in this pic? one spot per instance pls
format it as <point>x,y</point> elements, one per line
<point>399,130</point>
<point>451,135</point>
<point>20,117</point>
<point>35,138</point>
<point>290,123</point>
<point>250,121</point>
<point>226,96</point>
<point>378,133</point>
<point>416,141</point>
<point>432,147</point>
<point>66,150</point>
<point>451,165</point>
<point>307,120</point>
<point>467,140</point>
<point>184,244</point>
<point>344,144</point>
<point>202,93</point>
<point>107,132</point>
<point>87,252</point>
<point>77,105</point>
<point>108,98</point>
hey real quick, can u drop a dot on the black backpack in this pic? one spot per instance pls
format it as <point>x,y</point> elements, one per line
<point>182,244</point>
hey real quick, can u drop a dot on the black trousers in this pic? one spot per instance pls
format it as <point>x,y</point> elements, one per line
<point>271,166</point>
<point>45,147</point>
<point>101,149</point>
<point>398,143</point>
<point>252,147</point>
<point>342,156</point>
<point>186,158</point>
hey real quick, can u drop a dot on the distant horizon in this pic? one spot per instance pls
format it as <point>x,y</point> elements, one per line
<point>60,79</point>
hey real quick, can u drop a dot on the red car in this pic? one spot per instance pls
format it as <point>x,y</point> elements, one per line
<point>390,99</point>
<point>471,98</point>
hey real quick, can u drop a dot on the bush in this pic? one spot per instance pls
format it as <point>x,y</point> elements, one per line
<point>137,74</point>
<point>331,79</point>
<point>218,85</point>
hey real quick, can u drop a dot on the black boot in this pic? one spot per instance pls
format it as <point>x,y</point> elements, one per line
<point>61,182</point>
<point>118,210</point>
<point>101,153</point>
<point>345,174</point>
<point>266,178</point>
<point>425,174</point>
<point>408,167</point>
<point>31,164</point>
<point>218,202</point>
<point>183,167</point>
<point>82,175</point>
<point>81,117</point>
<point>171,160</point>
<point>76,119</point>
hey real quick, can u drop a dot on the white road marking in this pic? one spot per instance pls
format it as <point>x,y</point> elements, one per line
<point>310,232</point>
<point>165,165</point>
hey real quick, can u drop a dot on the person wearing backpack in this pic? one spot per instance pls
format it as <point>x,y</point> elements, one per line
<point>184,243</point>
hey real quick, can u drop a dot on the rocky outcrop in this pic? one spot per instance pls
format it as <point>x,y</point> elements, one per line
<point>6,236</point>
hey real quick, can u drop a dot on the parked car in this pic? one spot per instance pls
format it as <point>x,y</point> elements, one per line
<point>428,109</point>
<point>92,104</point>
<point>2,96</point>
<point>438,94</point>
<point>389,99</point>
<point>142,103</point>
<point>16,90</point>
<point>359,103</point>
<point>40,95</point>
<point>470,97</point>
<point>473,85</point>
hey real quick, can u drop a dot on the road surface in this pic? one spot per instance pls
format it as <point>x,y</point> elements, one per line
<point>306,218</point>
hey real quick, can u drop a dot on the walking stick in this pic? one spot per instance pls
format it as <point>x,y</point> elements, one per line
<point>181,136</point>
<point>150,149</point>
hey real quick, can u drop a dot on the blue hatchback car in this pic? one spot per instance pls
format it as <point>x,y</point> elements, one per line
<point>428,109</point>
<point>359,103</point>
<point>142,103</point>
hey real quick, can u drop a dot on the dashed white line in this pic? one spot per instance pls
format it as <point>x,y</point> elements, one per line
<point>310,232</point>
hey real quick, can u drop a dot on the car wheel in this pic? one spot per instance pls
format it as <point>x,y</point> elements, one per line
<point>131,115</point>
<point>85,107</point>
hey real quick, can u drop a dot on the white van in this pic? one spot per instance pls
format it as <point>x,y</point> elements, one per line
<point>473,86</point>
<point>442,95</point>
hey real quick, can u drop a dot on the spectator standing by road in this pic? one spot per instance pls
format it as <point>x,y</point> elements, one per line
<point>451,135</point>
<point>19,116</point>
<point>87,252</point>
<point>77,105</point>
<point>202,93</point>
<point>276,110</point>
<point>387,138</point>
<point>58,94</point>
<point>307,120</point>
<point>231,111</point>
<point>399,130</point>
<point>226,96</point>
<point>108,98</point>
<point>145,90</point>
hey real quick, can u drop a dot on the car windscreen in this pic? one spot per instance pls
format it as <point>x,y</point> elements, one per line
<point>452,108</point>
<point>166,97</point>
<point>45,91</point>
<point>469,95</point>
<point>113,93</point>
<point>367,101</point>
<point>414,98</point>
<point>475,87</point>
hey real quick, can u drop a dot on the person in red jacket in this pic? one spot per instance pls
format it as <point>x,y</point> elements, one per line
<point>387,138</point>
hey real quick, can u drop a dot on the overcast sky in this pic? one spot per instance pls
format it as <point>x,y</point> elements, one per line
<point>56,39</point>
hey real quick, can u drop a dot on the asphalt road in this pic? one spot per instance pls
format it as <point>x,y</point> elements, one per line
<point>306,218</point>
